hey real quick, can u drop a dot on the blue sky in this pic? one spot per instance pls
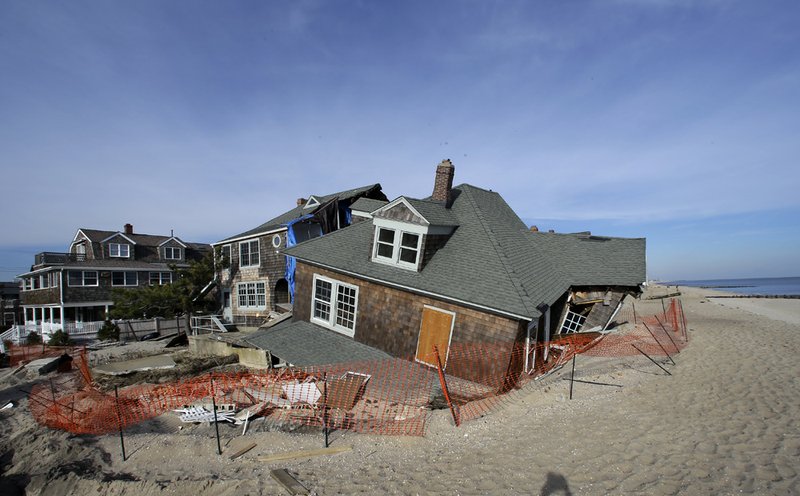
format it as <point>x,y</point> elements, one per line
<point>672,120</point>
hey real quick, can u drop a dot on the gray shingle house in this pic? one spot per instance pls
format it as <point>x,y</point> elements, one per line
<point>252,273</point>
<point>72,291</point>
<point>458,267</point>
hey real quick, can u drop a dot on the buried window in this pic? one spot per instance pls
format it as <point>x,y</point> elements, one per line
<point>573,322</point>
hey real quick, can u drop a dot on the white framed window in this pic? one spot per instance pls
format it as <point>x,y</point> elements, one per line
<point>252,295</point>
<point>124,278</point>
<point>118,250</point>
<point>248,253</point>
<point>172,253</point>
<point>335,305</point>
<point>80,252</point>
<point>397,247</point>
<point>572,322</point>
<point>384,243</point>
<point>157,278</point>
<point>276,241</point>
<point>82,278</point>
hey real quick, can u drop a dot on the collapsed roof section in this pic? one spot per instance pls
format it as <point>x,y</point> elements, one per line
<point>595,260</point>
<point>310,206</point>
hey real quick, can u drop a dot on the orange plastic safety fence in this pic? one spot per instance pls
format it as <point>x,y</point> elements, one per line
<point>19,354</point>
<point>391,396</point>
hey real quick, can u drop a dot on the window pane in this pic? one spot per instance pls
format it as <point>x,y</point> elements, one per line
<point>410,240</point>
<point>322,298</point>
<point>385,235</point>
<point>254,257</point>
<point>251,294</point>
<point>117,278</point>
<point>346,306</point>
<point>244,254</point>
<point>385,250</point>
<point>90,278</point>
<point>408,255</point>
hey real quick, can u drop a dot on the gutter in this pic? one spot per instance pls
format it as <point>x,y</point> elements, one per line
<point>240,238</point>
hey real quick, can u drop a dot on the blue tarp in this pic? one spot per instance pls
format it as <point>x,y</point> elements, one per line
<point>291,240</point>
<point>348,215</point>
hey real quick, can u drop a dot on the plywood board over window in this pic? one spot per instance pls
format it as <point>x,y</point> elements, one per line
<point>436,329</point>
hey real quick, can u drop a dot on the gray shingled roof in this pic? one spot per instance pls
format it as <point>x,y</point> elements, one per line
<point>489,261</point>
<point>299,211</point>
<point>596,260</point>
<point>97,235</point>
<point>304,344</point>
<point>367,205</point>
<point>434,212</point>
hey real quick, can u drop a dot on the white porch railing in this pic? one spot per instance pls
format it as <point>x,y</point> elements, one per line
<point>19,333</point>
<point>204,324</point>
<point>11,334</point>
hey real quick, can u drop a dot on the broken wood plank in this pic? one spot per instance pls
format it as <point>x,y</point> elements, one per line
<point>290,455</point>
<point>241,451</point>
<point>286,480</point>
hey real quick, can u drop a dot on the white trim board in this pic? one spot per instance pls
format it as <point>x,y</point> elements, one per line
<point>250,236</point>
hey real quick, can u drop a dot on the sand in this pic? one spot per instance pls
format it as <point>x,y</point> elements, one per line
<point>722,423</point>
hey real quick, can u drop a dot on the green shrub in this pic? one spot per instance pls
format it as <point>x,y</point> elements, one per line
<point>33,338</point>
<point>109,332</point>
<point>59,338</point>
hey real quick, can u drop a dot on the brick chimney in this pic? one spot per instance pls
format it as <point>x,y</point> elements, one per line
<point>442,187</point>
<point>128,228</point>
<point>301,202</point>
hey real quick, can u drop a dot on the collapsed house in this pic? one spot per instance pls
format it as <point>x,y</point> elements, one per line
<point>414,277</point>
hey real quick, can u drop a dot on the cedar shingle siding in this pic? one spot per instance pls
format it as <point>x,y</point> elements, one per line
<point>389,319</point>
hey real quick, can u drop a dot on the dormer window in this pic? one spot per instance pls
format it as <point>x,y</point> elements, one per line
<point>172,253</point>
<point>118,250</point>
<point>80,252</point>
<point>397,247</point>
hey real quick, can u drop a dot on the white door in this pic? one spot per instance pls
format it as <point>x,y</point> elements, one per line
<point>227,311</point>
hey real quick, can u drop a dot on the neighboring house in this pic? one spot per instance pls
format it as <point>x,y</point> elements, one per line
<point>254,276</point>
<point>10,313</point>
<point>69,290</point>
<point>458,267</point>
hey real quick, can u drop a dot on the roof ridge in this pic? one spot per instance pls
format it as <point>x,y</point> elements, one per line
<point>337,193</point>
<point>501,254</point>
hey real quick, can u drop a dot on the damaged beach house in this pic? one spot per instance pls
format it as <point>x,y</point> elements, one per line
<point>457,267</point>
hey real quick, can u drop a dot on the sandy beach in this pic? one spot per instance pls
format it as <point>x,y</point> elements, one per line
<point>722,423</point>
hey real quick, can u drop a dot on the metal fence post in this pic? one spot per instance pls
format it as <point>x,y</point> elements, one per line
<point>119,422</point>
<point>214,406</point>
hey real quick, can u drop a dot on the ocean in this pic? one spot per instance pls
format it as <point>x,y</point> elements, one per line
<point>755,286</point>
